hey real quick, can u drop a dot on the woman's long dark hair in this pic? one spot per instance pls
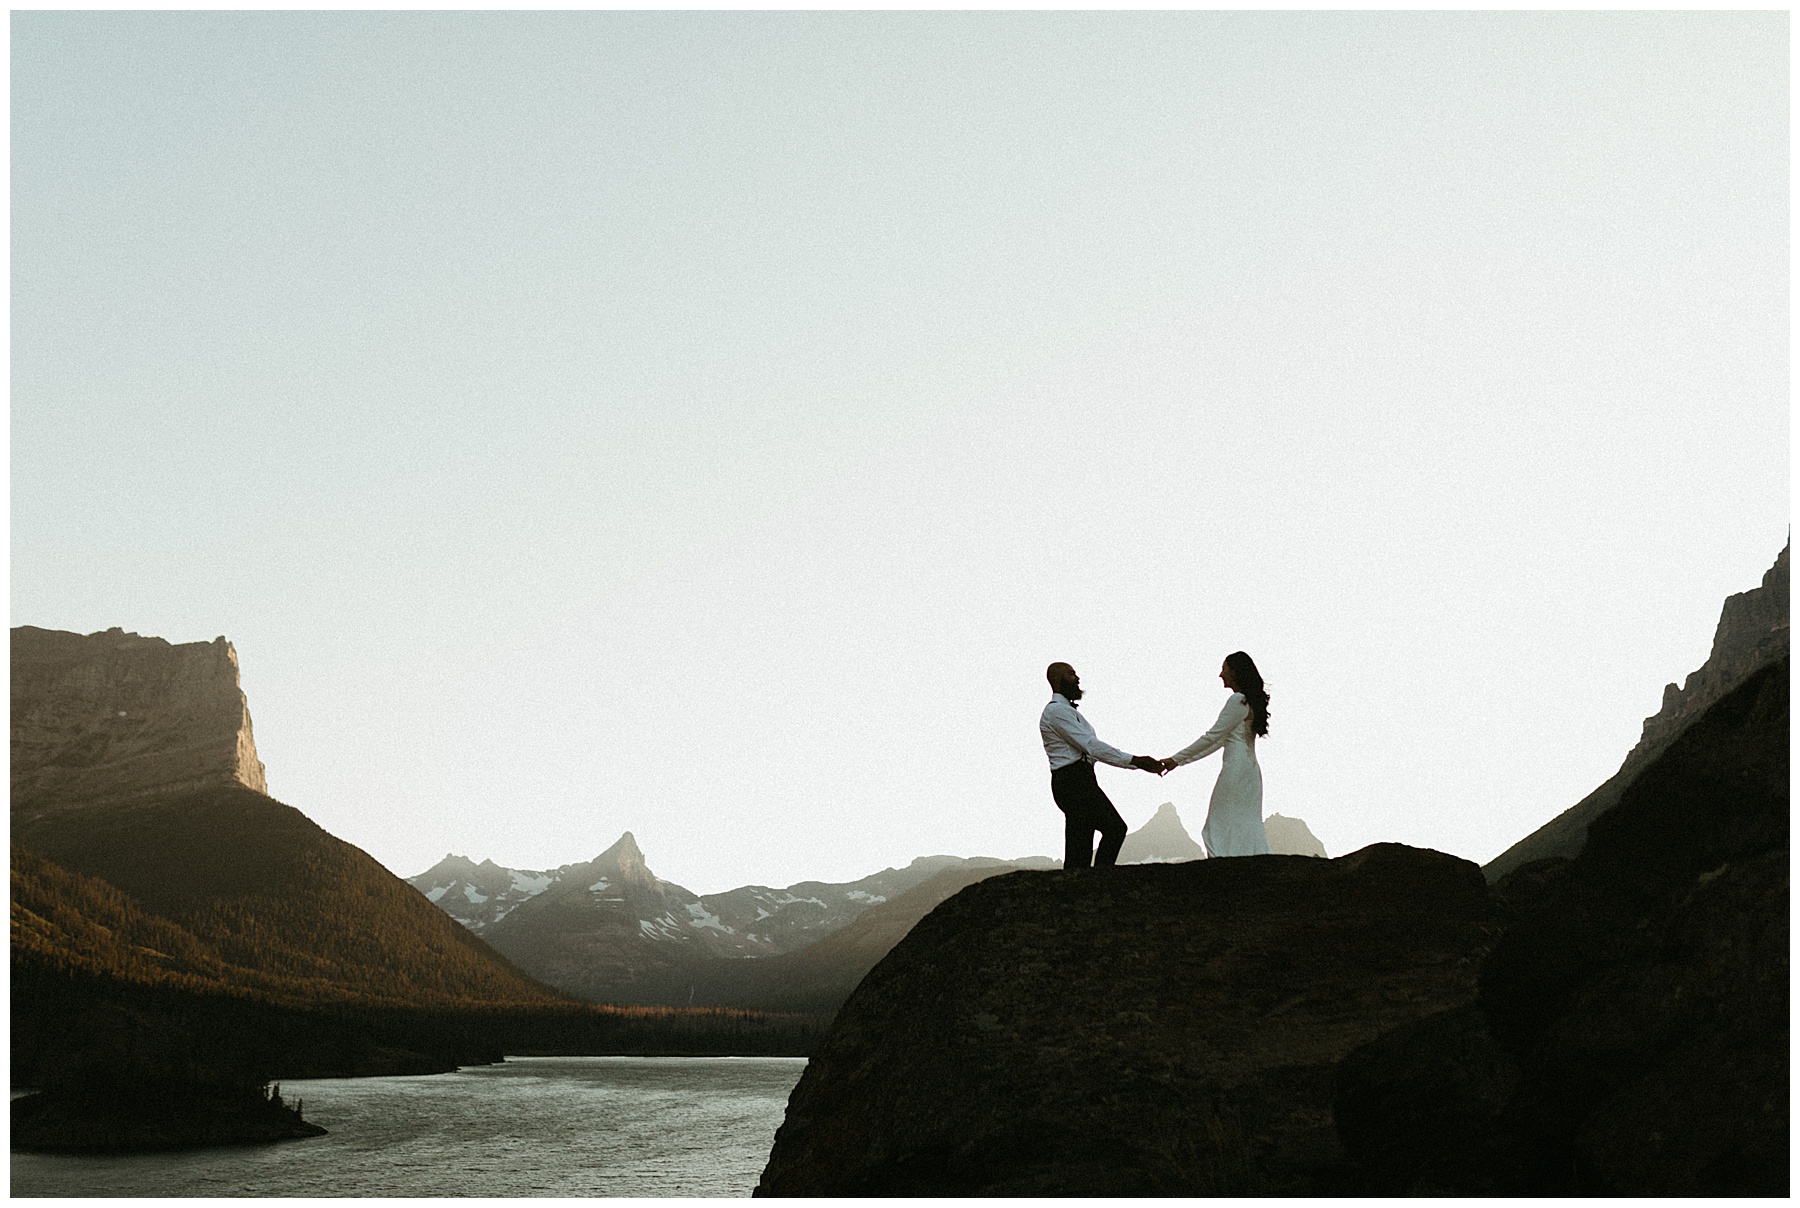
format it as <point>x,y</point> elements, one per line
<point>1249,681</point>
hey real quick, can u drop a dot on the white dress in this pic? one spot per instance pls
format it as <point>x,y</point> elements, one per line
<point>1234,825</point>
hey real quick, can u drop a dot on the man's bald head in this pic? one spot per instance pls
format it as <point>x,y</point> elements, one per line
<point>1063,679</point>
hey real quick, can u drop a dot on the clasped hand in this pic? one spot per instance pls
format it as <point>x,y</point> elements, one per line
<point>1147,763</point>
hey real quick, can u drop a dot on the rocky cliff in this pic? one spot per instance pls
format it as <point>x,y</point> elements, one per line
<point>1630,1037</point>
<point>1162,1029</point>
<point>113,716</point>
<point>1752,633</point>
<point>1381,1024</point>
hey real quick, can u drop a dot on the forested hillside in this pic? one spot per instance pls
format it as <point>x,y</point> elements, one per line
<point>249,894</point>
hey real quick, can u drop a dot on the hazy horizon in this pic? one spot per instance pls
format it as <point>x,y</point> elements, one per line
<point>709,425</point>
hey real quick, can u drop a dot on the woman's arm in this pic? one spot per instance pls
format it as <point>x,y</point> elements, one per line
<point>1236,710</point>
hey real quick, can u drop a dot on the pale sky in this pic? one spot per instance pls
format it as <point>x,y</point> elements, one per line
<point>709,425</point>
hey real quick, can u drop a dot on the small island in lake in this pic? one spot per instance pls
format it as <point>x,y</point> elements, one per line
<point>139,1116</point>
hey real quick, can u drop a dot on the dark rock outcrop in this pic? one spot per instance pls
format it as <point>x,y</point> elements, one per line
<point>112,716</point>
<point>1631,1032</point>
<point>1152,1030</point>
<point>1752,634</point>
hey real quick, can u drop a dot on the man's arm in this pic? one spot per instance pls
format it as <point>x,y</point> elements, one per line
<point>1082,737</point>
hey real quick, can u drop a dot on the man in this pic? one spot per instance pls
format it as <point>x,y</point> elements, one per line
<point>1073,747</point>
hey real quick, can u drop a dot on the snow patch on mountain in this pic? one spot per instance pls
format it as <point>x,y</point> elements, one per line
<point>613,913</point>
<point>705,918</point>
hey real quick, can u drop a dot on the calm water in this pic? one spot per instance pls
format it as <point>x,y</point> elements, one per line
<point>552,1126</point>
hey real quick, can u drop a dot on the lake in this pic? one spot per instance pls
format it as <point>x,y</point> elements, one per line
<point>535,1126</point>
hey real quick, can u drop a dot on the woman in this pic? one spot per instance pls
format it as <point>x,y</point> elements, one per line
<point>1234,825</point>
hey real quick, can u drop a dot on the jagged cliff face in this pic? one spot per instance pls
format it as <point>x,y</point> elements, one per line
<point>1630,1037</point>
<point>1752,634</point>
<point>113,716</point>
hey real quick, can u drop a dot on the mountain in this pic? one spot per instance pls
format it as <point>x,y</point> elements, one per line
<point>282,909</point>
<point>111,716</point>
<point>179,937</point>
<point>1161,840</point>
<point>753,920</point>
<point>134,763</point>
<point>1164,840</point>
<point>479,895</point>
<point>172,922</point>
<point>818,978</point>
<point>1752,634</point>
<point>608,927</point>
<point>1291,837</point>
<point>610,930</point>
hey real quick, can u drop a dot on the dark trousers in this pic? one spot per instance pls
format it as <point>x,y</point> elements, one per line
<point>1086,810</point>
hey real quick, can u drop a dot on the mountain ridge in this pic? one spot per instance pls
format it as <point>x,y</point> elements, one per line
<point>610,930</point>
<point>1752,633</point>
<point>594,930</point>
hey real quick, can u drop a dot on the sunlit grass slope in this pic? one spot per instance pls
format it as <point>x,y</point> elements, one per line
<point>229,889</point>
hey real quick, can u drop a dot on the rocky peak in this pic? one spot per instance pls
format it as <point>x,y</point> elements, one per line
<point>114,715</point>
<point>625,849</point>
<point>452,865</point>
<point>1161,840</point>
<point>1291,837</point>
<point>1752,634</point>
<point>625,856</point>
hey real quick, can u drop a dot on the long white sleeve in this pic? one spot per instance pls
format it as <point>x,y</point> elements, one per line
<point>1235,711</point>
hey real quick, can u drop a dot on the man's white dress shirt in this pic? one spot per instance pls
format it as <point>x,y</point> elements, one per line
<point>1069,739</point>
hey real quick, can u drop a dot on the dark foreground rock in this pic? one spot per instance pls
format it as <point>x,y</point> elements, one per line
<point>153,1116</point>
<point>1151,1030</point>
<point>1631,1033</point>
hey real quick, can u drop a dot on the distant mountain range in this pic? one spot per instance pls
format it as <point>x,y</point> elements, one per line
<point>610,930</point>
<point>754,920</point>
